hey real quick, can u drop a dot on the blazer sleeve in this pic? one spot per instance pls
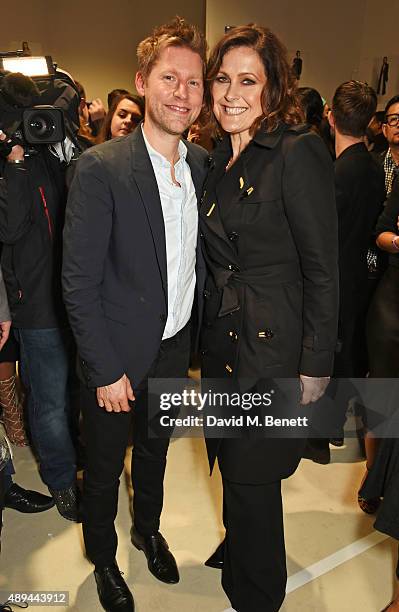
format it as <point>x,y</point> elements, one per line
<point>309,200</point>
<point>87,231</point>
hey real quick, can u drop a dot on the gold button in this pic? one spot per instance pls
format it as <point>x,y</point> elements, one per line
<point>228,368</point>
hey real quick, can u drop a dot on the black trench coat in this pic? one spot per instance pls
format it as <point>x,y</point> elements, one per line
<point>269,230</point>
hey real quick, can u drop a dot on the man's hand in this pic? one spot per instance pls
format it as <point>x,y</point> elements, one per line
<point>97,110</point>
<point>5,327</point>
<point>114,397</point>
<point>312,388</point>
<point>17,152</point>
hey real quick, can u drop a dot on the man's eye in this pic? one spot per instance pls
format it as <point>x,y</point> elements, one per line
<point>168,77</point>
<point>194,83</point>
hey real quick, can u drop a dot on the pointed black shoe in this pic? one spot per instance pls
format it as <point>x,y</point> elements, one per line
<point>217,558</point>
<point>161,562</point>
<point>26,501</point>
<point>67,502</point>
<point>113,591</point>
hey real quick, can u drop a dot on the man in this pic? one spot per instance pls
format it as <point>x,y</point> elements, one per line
<point>130,245</point>
<point>390,128</point>
<point>359,185</point>
<point>32,209</point>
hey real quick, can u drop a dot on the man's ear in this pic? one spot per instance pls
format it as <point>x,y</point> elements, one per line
<point>330,118</point>
<point>140,83</point>
<point>384,129</point>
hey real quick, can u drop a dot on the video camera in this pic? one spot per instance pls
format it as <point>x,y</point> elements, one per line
<point>39,104</point>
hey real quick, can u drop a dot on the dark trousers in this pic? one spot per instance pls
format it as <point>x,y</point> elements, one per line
<point>254,573</point>
<point>106,440</point>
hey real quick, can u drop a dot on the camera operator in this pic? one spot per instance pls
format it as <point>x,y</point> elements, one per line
<point>32,207</point>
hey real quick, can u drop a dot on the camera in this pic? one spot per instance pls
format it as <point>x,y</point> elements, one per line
<point>39,104</point>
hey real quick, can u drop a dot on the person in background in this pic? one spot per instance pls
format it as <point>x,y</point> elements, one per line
<point>382,476</point>
<point>92,113</point>
<point>11,494</point>
<point>124,115</point>
<point>115,93</point>
<point>389,158</point>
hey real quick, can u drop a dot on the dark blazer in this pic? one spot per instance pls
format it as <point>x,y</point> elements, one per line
<point>114,268</point>
<point>360,195</point>
<point>272,295</point>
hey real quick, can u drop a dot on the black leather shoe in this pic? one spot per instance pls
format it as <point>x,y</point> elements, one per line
<point>26,501</point>
<point>113,591</point>
<point>161,562</point>
<point>216,560</point>
<point>67,502</point>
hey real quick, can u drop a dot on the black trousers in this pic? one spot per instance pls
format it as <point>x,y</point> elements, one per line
<point>254,573</point>
<point>106,441</point>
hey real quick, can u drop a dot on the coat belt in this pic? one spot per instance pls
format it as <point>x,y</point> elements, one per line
<point>227,280</point>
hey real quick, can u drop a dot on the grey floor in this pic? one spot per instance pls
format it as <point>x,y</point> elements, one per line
<point>336,562</point>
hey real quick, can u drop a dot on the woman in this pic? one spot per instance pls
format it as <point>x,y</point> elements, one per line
<point>382,479</point>
<point>125,113</point>
<point>269,228</point>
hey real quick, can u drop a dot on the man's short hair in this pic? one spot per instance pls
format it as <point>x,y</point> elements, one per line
<point>390,103</point>
<point>353,107</point>
<point>176,33</point>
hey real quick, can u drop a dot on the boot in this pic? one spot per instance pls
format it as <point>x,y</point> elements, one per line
<point>67,502</point>
<point>11,402</point>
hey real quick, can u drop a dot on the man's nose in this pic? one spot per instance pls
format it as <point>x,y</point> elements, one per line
<point>181,90</point>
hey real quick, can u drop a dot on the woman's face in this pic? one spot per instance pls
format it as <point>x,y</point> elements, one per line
<point>126,116</point>
<point>237,90</point>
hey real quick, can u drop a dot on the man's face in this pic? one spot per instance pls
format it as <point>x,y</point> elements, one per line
<point>391,132</point>
<point>173,90</point>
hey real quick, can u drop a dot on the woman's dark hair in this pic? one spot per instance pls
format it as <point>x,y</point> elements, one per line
<point>312,105</point>
<point>105,132</point>
<point>279,100</point>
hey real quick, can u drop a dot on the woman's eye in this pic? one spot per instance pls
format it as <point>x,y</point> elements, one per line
<point>221,79</point>
<point>248,82</point>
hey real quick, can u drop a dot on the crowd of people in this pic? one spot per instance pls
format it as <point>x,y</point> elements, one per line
<point>265,252</point>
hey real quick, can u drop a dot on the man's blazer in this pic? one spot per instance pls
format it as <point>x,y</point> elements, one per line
<point>114,266</point>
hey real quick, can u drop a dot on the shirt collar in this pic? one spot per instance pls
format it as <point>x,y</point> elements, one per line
<point>158,157</point>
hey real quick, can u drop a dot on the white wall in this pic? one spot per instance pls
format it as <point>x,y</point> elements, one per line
<point>339,40</point>
<point>380,37</point>
<point>95,41</point>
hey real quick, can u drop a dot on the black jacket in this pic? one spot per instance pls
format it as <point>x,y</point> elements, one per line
<point>270,235</point>
<point>114,271</point>
<point>32,209</point>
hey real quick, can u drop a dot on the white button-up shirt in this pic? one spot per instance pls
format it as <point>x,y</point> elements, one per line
<point>180,215</point>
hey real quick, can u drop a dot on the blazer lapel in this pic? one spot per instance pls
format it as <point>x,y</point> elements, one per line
<point>198,171</point>
<point>143,175</point>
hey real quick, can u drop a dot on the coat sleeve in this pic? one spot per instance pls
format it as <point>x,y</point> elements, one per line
<point>309,200</point>
<point>388,219</point>
<point>87,231</point>
<point>15,204</point>
<point>4,310</point>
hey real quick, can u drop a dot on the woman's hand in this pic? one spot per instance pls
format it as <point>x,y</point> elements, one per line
<point>312,388</point>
